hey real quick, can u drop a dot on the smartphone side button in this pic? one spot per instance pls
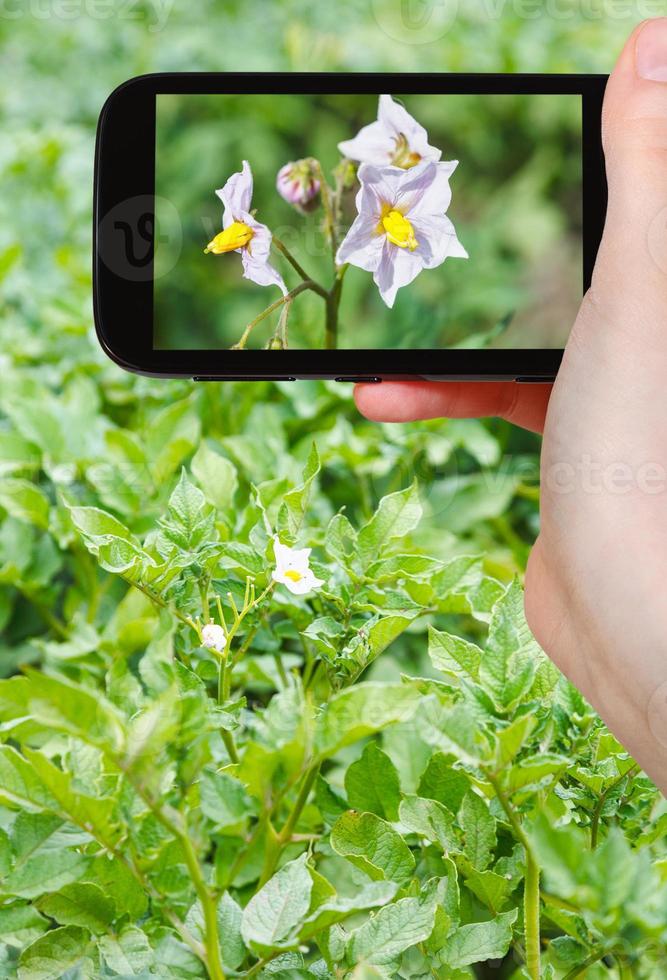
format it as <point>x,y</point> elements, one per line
<point>358,379</point>
<point>539,379</point>
<point>233,377</point>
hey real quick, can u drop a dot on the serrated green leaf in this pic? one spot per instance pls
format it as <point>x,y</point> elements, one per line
<point>442,782</point>
<point>479,830</point>
<point>274,913</point>
<point>50,956</point>
<point>361,711</point>
<point>479,941</point>
<point>371,783</point>
<point>129,953</point>
<point>391,931</point>
<point>216,476</point>
<point>80,904</point>
<point>223,799</point>
<point>295,502</point>
<point>373,845</point>
<point>25,501</point>
<point>511,657</point>
<point>429,819</point>
<point>397,515</point>
<point>21,924</point>
<point>453,655</point>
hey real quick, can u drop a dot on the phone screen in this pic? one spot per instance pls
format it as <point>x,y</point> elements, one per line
<point>393,222</point>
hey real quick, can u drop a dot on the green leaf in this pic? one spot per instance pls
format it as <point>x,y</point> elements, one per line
<point>441,782</point>
<point>80,904</point>
<point>490,888</point>
<point>429,819</point>
<point>216,475</point>
<point>338,908</point>
<point>295,502</point>
<point>361,711</point>
<point>273,914</point>
<point>98,526</point>
<point>171,435</point>
<point>45,870</point>
<point>392,930</point>
<point>531,770</point>
<point>511,656</point>
<point>510,740</point>
<point>479,830</point>
<point>230,918</point>
<point>479,941</point>
<point>63,706</point>
<point>453,655</point>
<point>50,956</point>
<point>373,845</point>
<point>397,515</point>
<point>21,924</point>
<point>371,783</point>
<point>223,798</point>
<point>129,953</point>
<point>25,501</point>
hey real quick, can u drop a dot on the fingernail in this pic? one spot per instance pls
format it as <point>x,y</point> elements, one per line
<point>651,54</point>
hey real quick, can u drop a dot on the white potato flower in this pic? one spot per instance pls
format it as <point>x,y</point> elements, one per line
<point>213,637</point>
<point>292,568</point>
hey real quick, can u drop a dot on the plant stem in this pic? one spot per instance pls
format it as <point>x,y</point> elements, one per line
<point>292,261</point>
<point>331,317</point>
<point>578,971</point>
<point>531,885</point>
<point>599,806</point>
<point>284,837</point>
<point>307,284</point>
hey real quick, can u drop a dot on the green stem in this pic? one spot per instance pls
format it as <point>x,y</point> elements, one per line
<point>284,837</point>
<point>599,806</point>
<point>331,318</point>
<point>307,284</point>
<point>292,261</point>
<point>578,971</point>
<point>531,886</point>
<point>207,900</point>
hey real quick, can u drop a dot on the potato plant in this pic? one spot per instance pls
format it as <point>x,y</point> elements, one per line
<point>298,801</point>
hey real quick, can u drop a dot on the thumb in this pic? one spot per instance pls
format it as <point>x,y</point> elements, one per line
<point>630,280</point>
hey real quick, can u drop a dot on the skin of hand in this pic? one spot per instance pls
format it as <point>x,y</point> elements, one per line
<point>596,583</point>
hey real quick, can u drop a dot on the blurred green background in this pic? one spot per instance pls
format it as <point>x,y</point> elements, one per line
<point>516,207</point>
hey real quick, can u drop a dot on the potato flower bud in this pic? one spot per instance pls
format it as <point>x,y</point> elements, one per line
<point>298,184</point>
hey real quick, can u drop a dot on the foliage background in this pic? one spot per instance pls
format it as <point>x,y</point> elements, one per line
<point>516,206</point>
<point>113,738</point>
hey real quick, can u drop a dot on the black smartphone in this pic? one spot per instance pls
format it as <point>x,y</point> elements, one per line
<point>356,226</point>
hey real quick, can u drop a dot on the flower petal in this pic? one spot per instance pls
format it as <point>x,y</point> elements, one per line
<point>437,195</point>
<point>255,256</point>
<point>362,246</point>
<point>398,267</point>
<point>397,121</point>
<point>236,195</point>
<point>437,240</point>
<point>372,144</point>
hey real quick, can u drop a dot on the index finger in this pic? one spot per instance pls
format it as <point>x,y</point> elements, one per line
<point>522,404</point>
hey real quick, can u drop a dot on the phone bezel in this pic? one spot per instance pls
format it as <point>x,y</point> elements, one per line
<point>125,175</point>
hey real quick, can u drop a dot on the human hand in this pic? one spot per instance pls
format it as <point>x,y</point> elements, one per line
<point>596,583</point>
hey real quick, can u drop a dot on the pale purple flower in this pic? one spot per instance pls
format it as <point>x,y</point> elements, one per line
<point>401,226</point>
<point>297,182</point>
<point>243,233</point>
<point>395,139</point>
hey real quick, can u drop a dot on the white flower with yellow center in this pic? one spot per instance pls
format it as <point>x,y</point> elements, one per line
<point>243,233</point>
<point>213,637</point>
<point>292,568</point>
<point>395,139</point>
<point>401,226</point>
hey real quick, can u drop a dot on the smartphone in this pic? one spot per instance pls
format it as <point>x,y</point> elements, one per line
<point>346,226</point>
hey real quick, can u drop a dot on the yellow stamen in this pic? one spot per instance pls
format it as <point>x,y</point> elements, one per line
<point>293,575</point>
<point>403,156</point>
<point>236,236</point>
<point>399,230</point>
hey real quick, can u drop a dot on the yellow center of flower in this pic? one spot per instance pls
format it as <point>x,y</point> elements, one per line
<point>403,156</point>
<point>236,236</point>
<point>293,575</point>
<point>399,231</point>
